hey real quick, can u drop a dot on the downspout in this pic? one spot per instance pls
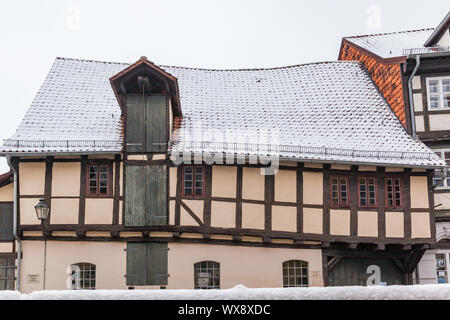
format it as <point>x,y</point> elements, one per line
<point>16,237</point>
<point>411,101</point>
<point>413,126</point>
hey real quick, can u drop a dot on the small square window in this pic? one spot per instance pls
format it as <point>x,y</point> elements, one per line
<point>99,179</point>
<point>339,191</point>
<point>193,181</point>
<point>393,192</point>
<point>367,192</point>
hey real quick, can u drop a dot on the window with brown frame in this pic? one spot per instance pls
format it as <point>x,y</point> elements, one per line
<point>339,191</point>
<point>367,191</point>
<point>99,178</point>
<point>193,181</point>
<point>393,192</point>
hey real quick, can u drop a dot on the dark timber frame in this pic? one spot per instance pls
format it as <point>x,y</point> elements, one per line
<point>205,226</point>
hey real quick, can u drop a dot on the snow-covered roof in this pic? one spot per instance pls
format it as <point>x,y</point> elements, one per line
<point>391,45</point>
<point>328,111</point>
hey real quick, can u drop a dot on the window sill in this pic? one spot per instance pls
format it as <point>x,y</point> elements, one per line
<point>193,198</point>
<point>337,206</point>
<point>99,196</point>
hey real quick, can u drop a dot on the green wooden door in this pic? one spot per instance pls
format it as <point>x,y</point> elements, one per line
<point>156,123</point>
<point>136,263</point>
<point>146,123</point>
<point>157,262</point>
<point>135,210</point>
<point>156,195</point>
<point>135,123</point>
<point>146,195</point>
<point>364,271</point>
<point>147,263</point>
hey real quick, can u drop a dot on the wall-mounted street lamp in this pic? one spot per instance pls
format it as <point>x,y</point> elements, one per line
<point>42,210</point>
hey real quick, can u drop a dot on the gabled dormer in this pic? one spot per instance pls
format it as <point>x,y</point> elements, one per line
<point>149,99</point>
<point>441,35</point>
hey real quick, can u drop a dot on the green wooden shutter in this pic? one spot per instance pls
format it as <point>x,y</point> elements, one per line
<point>6,221</point>
<point>156,123</point>
<point>135,211</point>
<point>146,195</point>
<point>156,195</point>
<point>157,262</point>
<point>135,123</point>
<point>137,263</point>
<point>147,263</point>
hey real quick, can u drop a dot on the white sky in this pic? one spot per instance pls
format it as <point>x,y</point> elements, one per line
<point>194,33</point>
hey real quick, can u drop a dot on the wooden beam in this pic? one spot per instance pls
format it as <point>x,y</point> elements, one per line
<point>268,200</point>
<point>116,202</point>
<point>353,180</point>
<point>238,218</point>
<point>333,262</point>
<point>407,203</point>
<point>178,195</point>
<point>381,204</point>
<point>207,200</point>
<point>300,197</point>
<point>326,199</point>
<point>48,189</point>
<point>82,203</point>
<point>192,214</point>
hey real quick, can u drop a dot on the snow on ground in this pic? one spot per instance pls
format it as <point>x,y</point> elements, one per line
<point>421,292</point>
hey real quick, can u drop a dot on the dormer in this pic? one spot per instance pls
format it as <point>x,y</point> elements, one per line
<point>149,99</point>
<point>441,35</point>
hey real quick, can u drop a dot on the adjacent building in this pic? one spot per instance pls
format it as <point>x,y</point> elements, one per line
<point>7,245</point>
<point>174,177</point>
<point>412,71</point>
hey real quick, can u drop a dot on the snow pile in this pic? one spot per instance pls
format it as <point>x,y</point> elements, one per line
<point>421,292</point>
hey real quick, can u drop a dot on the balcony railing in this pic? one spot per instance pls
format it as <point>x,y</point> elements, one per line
<point>61,143</point>
<point>423,50</point>
<point>268,149</point>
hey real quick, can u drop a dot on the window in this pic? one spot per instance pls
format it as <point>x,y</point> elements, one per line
<point>441,177</point>
<point>83,276</point>
<point>339,191</point>
<point>295,273</point>
<point>441,268</point>
<point>193,181</point>
<point>367,191</point>
<point>393,192</point>
<point>438,93</point>
<point>207,275</point>
<point>99,179</point>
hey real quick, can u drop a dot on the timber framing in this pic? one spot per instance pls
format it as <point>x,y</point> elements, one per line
<point>237,233</point>
<point>404,252</point>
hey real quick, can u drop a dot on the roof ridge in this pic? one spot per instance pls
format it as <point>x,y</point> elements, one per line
<point>213,69</point>
<point>90,60</point>
<point>387,33</point>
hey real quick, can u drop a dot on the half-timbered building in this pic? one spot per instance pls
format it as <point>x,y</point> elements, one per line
<point>412,70</point>
<point>173,177</point>
<point>7,245</point>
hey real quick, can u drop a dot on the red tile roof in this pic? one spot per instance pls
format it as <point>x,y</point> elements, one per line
<point>387,76</point>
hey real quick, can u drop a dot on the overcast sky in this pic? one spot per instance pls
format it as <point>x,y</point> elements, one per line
<point>207,34</point>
